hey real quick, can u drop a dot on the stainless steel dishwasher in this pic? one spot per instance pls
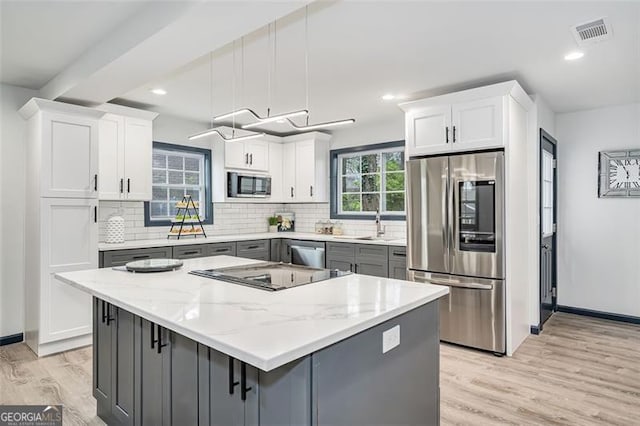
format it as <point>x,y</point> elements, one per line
<point>308,253</point>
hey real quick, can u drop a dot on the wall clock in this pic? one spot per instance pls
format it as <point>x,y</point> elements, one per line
<point>619,173</point>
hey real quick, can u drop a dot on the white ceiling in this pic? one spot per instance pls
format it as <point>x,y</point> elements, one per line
<point>40,38</point>
<point>361,50</point>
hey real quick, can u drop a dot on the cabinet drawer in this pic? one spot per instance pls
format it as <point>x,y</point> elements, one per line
<point>190,252</point>
<point>372,253</point>
<point>252,246</point>
<point>257,249</point>
<point>397,254</point>
<point>218,249</point>
<point>121,257</point>
<point>341,250</point>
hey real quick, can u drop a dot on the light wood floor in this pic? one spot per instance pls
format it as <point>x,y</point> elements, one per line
<point>580,371</point>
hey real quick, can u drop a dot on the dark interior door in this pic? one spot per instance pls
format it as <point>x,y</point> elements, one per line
<point>548,228</point>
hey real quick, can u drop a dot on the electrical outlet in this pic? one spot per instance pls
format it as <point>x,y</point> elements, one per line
<point>390,339</point>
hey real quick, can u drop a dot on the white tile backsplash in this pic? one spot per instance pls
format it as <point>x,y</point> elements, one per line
<point>240,218</point>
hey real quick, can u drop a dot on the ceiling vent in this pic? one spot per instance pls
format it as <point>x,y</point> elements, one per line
<point>592,32</point>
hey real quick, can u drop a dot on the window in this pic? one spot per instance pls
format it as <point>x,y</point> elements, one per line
<point>366,179</point>
<point>178,171</point>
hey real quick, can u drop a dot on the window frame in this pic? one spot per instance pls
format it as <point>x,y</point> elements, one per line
<point>208,206</point>
<point>334,156</point>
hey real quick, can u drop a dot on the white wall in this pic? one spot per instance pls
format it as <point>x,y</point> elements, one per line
<point>598,238</point>
<point>12,187</point>
<point>387,130</point>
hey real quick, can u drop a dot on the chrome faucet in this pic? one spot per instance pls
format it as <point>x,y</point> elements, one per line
<point>380,229</point>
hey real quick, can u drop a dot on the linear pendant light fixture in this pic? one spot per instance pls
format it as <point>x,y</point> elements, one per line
<point>216,130</point>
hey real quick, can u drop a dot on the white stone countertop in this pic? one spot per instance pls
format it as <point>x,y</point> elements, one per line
<point>134,244</point>
<point>264,329</point>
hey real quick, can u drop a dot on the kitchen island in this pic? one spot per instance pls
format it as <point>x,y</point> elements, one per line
<point>174,348</point>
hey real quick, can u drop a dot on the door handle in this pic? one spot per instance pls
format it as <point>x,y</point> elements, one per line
<point>121,185</point>
<point>128,185</point>
<point>446,134</point>
<point>454,134</point>
<point>95,214</point>
<point>160,344</point>
<point>243,382</point>
<point>232,383</point>
<point>95,182</point>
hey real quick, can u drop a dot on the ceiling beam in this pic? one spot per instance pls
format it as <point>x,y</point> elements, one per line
<point>162,37</point>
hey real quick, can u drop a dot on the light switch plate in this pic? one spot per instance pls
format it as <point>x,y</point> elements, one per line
<point>390,339</point>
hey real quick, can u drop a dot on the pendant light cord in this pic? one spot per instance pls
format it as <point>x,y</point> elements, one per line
<point>233,90</point>
<point>269,60</point>
<point>306,57</point>
<point>211,86</point>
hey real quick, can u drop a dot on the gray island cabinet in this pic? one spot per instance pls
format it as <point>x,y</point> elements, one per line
<point>145,374</point>
<point>174,348</point>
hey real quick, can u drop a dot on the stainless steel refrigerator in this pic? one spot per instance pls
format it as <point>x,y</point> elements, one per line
<point>455,216</point>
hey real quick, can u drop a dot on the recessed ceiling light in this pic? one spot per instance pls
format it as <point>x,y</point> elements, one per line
<point>388,97</point>
<point>573,56</point>
<point>158,91</point>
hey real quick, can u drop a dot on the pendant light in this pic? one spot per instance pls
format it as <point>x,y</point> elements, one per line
<point>259,121</point>
<point>217,130</point>
<point>307,126</point>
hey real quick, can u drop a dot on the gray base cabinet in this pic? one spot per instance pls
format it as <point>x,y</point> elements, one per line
<point>398,263</point>
<point>147,375</point>
<point>111,258</point>
<point>258,249</point>
<point>366,259</point>
<point>113,379</point>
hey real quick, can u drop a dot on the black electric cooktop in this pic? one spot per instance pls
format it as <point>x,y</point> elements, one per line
<point>270,276</point>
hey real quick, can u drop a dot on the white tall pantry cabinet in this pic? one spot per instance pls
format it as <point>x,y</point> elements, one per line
<point>61,221</point>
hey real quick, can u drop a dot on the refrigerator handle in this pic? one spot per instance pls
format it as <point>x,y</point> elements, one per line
<point>445,212</point>
<point>451,217</point>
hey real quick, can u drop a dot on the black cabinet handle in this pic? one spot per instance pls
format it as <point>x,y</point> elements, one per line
<point>356,268</point>
<point>292,192</point>
<point>109,317</point>
<point>311,190</point>
<point>142,256</point>
<point>160,344</point>
<point>232,384</point>
<point>243,382</point>
<point>121,185</point>
<point>152,333</point>
<point>186,253</point>
<point>246,159</point>
<point>400,253</point>
<point>251,159</point>
<point>128,185</point>
<point>95,182</point>
<point>95,214</point>
<point>454,134</point>
<point>220,250</point>
<point>252,247</point>
<point>446,134</point>
<point>104,312</point>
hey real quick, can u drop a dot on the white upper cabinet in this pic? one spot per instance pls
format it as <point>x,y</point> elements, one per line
<point>63,144</point>
<point>138,153</point>
<point>429,129</point>
<point>478,124</point>
<point>126,150</point>
<point>306,168</point>
<point>111,157</point>
<point>463,121</point>
<point>251,154</point>
<point>69,156</point>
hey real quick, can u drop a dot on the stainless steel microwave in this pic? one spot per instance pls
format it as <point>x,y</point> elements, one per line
<point>241,185</point>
